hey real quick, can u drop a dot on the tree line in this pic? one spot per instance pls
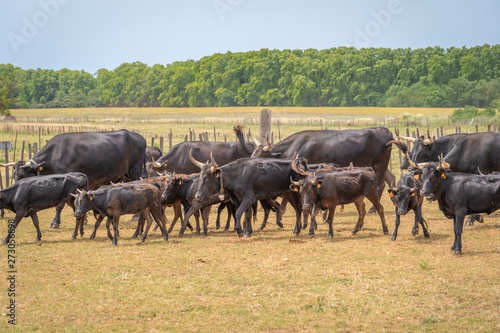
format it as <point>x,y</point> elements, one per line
<point>343,76</point>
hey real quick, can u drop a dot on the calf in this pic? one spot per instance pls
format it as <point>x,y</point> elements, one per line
<point>459,194</point>
<point>116,200</point>
<point>30,195</point>
<point>330,189</point>
<point>181,188</point>
<point>406,196</point>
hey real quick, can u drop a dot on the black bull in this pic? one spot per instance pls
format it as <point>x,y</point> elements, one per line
<point>363,147</point>
<point>31,195</point>
<point>102,156</point>
<point>247,181</point>
<point>460,194</point>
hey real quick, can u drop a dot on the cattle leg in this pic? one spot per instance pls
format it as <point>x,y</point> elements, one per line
<point>277,209</point>
<point>231,212</point>
<point>97,224</point>
<point>108,223</point>
<point>149,220</point>
<point>360,206</point>
<point>205,213</point>
<point>473,218</point>
<point>219,211</point>
<point>116,220</point>
<point>78,223</point>
<point>398,221</point>
<point>34,218</point>
<point>140,226</point>
<point>418,212</point>
<point>56,222</point>
<point>17,219</point>
<point>458,227</point>
<point>248,219</point>
<point>267,209</point>
<point>294,199</point>
<point>244,206</point>
<point>314,225</point>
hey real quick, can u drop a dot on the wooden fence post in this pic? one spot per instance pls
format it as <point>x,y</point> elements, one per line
<point>7,180</point>
<point>161,144</point>
<point>265,126</point>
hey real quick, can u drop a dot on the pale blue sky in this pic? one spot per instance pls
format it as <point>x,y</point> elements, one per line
<point>93,34</point>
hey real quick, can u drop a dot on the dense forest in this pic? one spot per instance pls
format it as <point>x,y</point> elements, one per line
<point>343,76</point>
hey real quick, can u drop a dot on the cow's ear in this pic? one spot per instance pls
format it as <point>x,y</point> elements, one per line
<point>319,183</point>
<point>294,187</point>
<point>217,173</point>
<point>391,192</point>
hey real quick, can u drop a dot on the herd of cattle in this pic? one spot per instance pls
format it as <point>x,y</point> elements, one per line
<point>114,173</point>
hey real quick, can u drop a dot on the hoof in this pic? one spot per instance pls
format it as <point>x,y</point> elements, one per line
<point>280,225</point>
<point>330,236</point>
<point>4,242</point>
<point>92,236</point>
<point>393,238</point>
<point>386,232</point>
<point>457,252</point>
<point>217,227</point>
<point>311,235</point>
<point>240,234</point>
<point>181,234</point>
<point>261,228</point>
<point>114,244</point>
<point>353,233</point>
<point>372,211</point>
<point>54,226</point>
<point>247,236</point>
<point>73,237</point>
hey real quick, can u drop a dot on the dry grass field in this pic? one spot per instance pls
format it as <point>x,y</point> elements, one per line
<point>270,282</point>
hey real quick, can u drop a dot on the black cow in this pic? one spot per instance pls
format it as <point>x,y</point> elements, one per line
<point>459,194</point>
<point>177,160</point>
<point>182,189</point>
<point>247,181</point>
<point>152,154</point>
<point>330,189</point>
<point>102,156</point>
<point>31,195</point>
<point>406,196</point>
<point>362,147</point>
<point>120,199</point>
<point>428,149</point>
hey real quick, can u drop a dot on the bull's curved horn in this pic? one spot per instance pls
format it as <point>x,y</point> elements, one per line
<point>405,138</point>
<point>79,191</point>
<point>351,166</point>
<point>295,155</point>
<point>257,142</point>
<point>26,165</point>
<point>314,178</point>
<point>413,164</point>
<point>214,165</point>
<point>156,164</point>
<point>8,164</point>
<point>297,170</point>
<point>480,173</point>
<point>293,182</point>
<point>429,140</point>
<point>266,148</point>
<point>413,189</point>
<point>442,163</point>
<point>195,162</point>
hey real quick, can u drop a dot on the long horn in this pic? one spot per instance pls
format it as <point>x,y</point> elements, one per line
<point>314,178</point>
<point>413,164</point>
<point>293,182</point>
<point>297,170</point>
<point>406,138</point>
<point>26,165</point>
<point>8,164</point>
<point>266,148</point>
<point>214,165</point>
<point>257,142</point>
<point>156,164</point>
<point>480,173</point>
<point>413,189</point>
<point>442,163</point>
<point>429,140</point>
<point>195,162</point>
